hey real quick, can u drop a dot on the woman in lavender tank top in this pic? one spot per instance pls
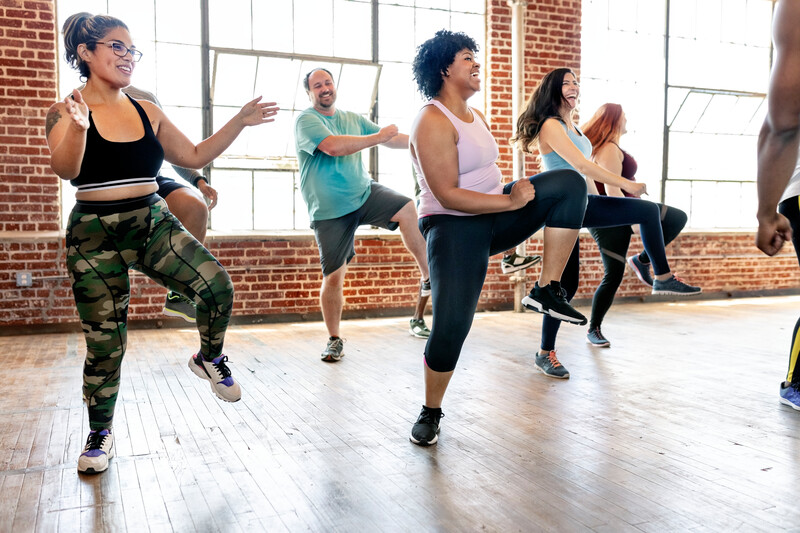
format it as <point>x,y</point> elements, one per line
<point>466,215</point>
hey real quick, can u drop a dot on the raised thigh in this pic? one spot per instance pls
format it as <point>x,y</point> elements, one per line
<point>458,256</point>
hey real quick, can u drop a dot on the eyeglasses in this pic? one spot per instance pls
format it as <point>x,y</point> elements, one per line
<point>121,50</point>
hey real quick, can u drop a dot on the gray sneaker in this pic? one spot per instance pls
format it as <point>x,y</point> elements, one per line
<point>418,328</point>
<point>551,366</point>
<point>180,306</point>
<point>513,263</point>
<point>334,350</point>
<point>675,286</point>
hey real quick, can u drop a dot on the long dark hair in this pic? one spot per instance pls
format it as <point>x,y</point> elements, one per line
<point>85,28</point>
<point>544,103</point>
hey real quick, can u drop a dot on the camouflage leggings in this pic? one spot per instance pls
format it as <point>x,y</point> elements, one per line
<point>145,236</point>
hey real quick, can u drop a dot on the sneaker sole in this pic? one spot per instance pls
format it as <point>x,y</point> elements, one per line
<point>178,314</point>
<point>675,293</point>
<point>540,369</point>
<point>784,401</point>
<point>109,455</point>
<point>599,345</point>
<point>331,358</point>
<point>202,375</point>
<point>418,335</point>
<point>434,440</point>
<point>512,269</point>
<point>637,272</point>
<point>533,305</point>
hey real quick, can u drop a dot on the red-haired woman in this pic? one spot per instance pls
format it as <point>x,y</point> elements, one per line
<point>604,130</point>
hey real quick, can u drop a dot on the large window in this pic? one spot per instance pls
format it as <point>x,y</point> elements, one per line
<point>694,102</point>
<point>264,48</point>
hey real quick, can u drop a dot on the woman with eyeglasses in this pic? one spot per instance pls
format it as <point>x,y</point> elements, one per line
<point>111,148</point>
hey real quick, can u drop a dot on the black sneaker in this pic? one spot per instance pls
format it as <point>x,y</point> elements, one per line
<point>551,300</point>
<point>426,430</point>
<point>551,366</point>
<point>513,263</point>
<point>595,338</point>
<point>334,350</point>
<point>180,306</point>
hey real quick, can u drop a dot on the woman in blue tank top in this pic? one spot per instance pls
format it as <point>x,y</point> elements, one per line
<point>111,148</point>
<point>547,122</point>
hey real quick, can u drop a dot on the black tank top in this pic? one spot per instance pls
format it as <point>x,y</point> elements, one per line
<point>629,168</point>
<point>109,165</point>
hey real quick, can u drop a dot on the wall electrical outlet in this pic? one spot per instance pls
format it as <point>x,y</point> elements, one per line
<point>24,279</point>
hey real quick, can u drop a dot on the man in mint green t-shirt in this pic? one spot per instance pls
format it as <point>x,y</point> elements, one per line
<point>341,196</point>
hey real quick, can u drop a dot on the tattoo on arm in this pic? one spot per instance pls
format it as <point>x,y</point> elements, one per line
<point>52,119</point>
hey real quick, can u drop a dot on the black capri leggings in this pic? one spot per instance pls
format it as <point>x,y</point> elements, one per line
<point>608,211</point>
<point>613,243</point>
<point>459,248</point>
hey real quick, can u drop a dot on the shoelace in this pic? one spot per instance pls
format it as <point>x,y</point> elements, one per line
<point>336,344</point>
<point>553,359</point>
<point>598,333</point>
<point>428,418</point>
<point>221,367</point>
<point>95,440</point>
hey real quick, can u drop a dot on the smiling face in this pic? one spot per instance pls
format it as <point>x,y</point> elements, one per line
<point>570,90</point>
<point>321,91</point>
<point>465,72</point>
<point>105,64</point>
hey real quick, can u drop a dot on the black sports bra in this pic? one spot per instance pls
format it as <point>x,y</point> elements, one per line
<point>109,165</point>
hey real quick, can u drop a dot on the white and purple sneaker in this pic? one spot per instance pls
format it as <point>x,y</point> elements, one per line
<point>98,450</point>
<point>218,374</point>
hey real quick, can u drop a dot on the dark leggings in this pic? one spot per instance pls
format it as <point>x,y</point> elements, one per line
<point>603,212</point>
<point>790,208</point>
<point>613,243</point>
<point>459,248</point>
<point>102,245</point>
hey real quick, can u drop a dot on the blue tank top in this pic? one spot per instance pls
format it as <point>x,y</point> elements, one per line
<point>109,165</point>
<point>553,161</point>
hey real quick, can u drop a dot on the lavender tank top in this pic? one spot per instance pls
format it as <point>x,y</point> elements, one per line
<point>477,167</point>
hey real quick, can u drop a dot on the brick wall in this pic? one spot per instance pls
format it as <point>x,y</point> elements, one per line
<point>278,278</point>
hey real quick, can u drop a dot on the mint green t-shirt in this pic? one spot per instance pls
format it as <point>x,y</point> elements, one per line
<point>331,186</point>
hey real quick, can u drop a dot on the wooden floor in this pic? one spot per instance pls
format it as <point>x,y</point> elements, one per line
<point>676,427</point>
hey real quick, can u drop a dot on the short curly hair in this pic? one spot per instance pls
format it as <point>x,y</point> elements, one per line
<point>433,58</point>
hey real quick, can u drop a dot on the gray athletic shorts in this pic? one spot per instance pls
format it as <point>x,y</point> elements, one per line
<point>336,236</point>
